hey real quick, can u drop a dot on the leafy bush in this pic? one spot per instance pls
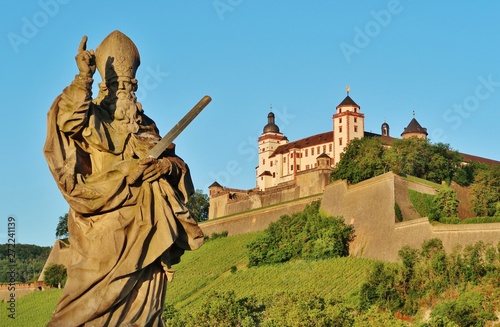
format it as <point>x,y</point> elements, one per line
<point>486,191</point>
<point>470,309</point>
<point>55,275</point>
<point>446,201</point>
<point>309,234</point>
<point>380,289</point>
<point>223,309</point>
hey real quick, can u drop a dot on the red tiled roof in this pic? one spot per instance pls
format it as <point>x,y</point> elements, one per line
<point>471,158</point>
<point>303,143</point>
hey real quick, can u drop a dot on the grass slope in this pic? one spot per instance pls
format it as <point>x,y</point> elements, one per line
<point>209,268</point>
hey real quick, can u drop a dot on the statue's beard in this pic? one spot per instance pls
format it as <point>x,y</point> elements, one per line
<point>126,114</point>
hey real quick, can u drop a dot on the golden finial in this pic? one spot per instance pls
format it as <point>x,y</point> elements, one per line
<point>348,89</point>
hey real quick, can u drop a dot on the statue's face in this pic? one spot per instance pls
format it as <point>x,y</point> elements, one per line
<point>122,102</point>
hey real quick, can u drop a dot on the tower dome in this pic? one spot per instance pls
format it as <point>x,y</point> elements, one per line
<point>385,129</point>
<point>271,127</point>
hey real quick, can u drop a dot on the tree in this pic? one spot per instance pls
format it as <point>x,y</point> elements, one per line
<point>442,163</point>
<point>362,159</point>
<point>198,205</point>
<point>55,275</point>
<point>62,227</point>
<point>486,191</point>
<point>408,156</point>
<point>446,201</point>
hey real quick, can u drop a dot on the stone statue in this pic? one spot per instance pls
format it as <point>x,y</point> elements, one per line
<point>128,220</point>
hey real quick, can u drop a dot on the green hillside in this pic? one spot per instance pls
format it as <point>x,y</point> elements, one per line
<point>212,267</point>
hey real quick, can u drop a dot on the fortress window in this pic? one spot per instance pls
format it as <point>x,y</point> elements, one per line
<point>340,141</point>
<point>324,148</point>
<point>307,167</point>
<point>306,152</point>
<point>318,149</point>
<point>298,167</point>
<point>274,175</point>
<point>355,129</point>
<point>263,161</point>
<point>312,151</point>
<point>340,120</point>
<point>355,119</point>
<point>284,159</point>
<point>340,129</point>
<point>271,163</point>
<point>291,167</point>
<point>330,147</point>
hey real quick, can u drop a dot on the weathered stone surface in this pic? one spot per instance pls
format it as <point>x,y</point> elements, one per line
<point>128,219</point>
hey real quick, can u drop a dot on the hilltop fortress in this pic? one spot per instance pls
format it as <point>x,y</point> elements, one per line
<point>291,170</point>
<point>291,175</point>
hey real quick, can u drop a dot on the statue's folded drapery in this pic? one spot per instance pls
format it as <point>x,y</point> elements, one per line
<point>124,236</point>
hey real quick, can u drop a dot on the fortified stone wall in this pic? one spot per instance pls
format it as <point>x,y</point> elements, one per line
<point>369,206</point>
<point>255,220</point>
<point>231,201</point>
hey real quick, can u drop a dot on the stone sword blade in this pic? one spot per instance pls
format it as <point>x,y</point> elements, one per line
<point>163,144</point>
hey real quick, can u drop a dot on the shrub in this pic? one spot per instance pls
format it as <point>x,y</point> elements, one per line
<point>309,234</point>
<point>55,275</point>
<point>446,201</point>
<point>224,310</point>
<point>467,310</point>
<point>305,309</point>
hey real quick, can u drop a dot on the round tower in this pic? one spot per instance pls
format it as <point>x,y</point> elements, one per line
<point>414,129</point>
<point>267,171</point>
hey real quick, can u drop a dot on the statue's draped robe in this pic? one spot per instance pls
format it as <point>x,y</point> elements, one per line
<point>123,238</point>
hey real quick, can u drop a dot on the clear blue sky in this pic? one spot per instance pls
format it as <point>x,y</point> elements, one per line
<point>439,59</point>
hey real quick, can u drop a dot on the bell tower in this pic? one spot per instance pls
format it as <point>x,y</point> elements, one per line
<point>348,124</point>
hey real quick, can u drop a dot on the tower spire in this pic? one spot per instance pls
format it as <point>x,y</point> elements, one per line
<point>348,89</point>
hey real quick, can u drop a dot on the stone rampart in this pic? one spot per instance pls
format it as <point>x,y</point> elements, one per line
<point>369,206</point>
<point>255,220</point>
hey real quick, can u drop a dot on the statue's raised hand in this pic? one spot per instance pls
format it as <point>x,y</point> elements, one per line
<point>85,59</point>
